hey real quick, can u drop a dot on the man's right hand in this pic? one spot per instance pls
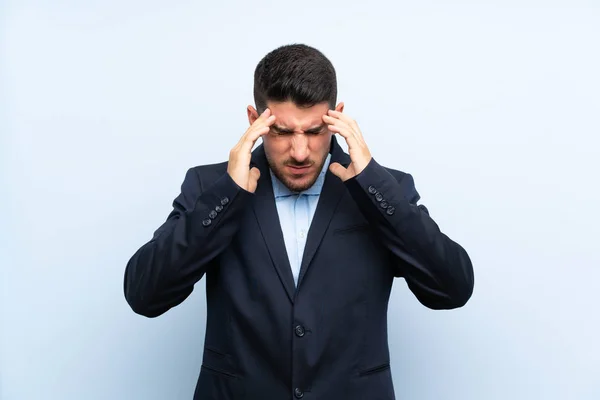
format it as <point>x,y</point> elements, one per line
<point>239,157</point>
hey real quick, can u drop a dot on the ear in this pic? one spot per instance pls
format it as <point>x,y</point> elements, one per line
<point>340,107</point>
<point>252,114</point>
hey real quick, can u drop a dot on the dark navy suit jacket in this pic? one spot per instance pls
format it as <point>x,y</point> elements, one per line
<point>325,339</point>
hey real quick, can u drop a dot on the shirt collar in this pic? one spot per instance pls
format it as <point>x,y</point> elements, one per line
<point>280,190</point>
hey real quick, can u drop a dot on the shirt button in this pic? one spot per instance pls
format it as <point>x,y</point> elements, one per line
<point>298,393</point>
<point>302,234</point>
<point>299,330</point>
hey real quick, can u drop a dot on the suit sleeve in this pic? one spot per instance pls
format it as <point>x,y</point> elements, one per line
<point>437,270</point>
<point>162,273</point>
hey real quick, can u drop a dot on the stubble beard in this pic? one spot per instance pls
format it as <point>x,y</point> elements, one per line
<point>289,183</point>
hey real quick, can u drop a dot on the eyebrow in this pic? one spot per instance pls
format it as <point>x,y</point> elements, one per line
<point>310,130</point>
<point>316,129</point>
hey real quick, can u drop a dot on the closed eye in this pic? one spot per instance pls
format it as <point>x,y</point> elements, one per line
<point>315,131</point>
<point>280,131</point>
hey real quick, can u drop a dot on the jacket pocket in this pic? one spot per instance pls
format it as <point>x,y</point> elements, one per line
<point>214,352</point>
<point>217,384</point>
<point>218,371</point>
<point>351,228</point>
<point>374,370</point>
<point>217,361</point>
<point>219,378</point>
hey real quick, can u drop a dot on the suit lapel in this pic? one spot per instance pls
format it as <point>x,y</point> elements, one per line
<point>268,221</point>
<point>331,194</point>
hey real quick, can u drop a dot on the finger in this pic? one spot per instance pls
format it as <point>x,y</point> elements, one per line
<point>255,131</point>
<point>263,120</point>
<point>338,170</point>
<point>346,134</point>
<point>343,130</point>
<point>253,179</point>
<point>353,138</point>
<point>335,121</point>
<point>252,136</point>
<point>265,114</point>
<point>260,125</point>
<point>340,123</point>
<point>351,122</point>
<point>341,116</point>
<point>263,124</point>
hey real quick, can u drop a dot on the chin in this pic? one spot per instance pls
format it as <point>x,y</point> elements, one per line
<point>299,184</point>
<point>296,183</point>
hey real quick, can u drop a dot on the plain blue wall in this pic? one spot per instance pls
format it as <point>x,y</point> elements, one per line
<point>493,106</point>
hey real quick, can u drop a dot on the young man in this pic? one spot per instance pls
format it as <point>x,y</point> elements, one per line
<point>300,243</point>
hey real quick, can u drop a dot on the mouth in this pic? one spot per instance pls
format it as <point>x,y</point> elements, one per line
<point>298,169</point>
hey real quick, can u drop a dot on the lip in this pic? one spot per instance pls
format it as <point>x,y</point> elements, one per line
<point>298,170</point>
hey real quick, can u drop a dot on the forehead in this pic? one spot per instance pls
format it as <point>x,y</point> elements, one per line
<point>289,115</point>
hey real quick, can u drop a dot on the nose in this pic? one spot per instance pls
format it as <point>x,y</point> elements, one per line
<point>299,150</point>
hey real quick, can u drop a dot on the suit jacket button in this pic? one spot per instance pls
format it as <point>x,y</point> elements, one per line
<point>212,214</point>
<point>384,204</point>
<point>390,211</point>
<point>219,208</point>
<point>299,330</point>
<point>378,197</point>
<point>224,200</point>
<point>298,393</point>
<point>207,222</point>
<point>372,190</point>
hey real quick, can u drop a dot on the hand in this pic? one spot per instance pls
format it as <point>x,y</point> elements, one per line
<point>239,157</point>
<point>359,152</point>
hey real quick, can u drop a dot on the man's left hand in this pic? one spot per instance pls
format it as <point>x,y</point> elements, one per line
<point>359,152</point>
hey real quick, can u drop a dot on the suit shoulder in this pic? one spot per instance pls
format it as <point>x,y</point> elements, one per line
<point>399,175</point>
<point>205,174</point>
<point>207,169</point>
<point>407,182</point>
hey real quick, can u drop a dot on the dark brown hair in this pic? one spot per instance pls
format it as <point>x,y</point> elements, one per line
<point>297,73</point>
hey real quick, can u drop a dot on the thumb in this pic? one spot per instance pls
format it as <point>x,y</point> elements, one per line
<point>253,179</point>
<point>338,170</point>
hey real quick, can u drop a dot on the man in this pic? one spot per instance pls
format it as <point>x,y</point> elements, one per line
<point>300,243</point>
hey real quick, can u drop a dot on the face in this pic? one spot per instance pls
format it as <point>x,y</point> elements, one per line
<point>298,142</point>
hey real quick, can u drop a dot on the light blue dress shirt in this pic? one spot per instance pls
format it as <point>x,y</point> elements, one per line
<point>296,210</point>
